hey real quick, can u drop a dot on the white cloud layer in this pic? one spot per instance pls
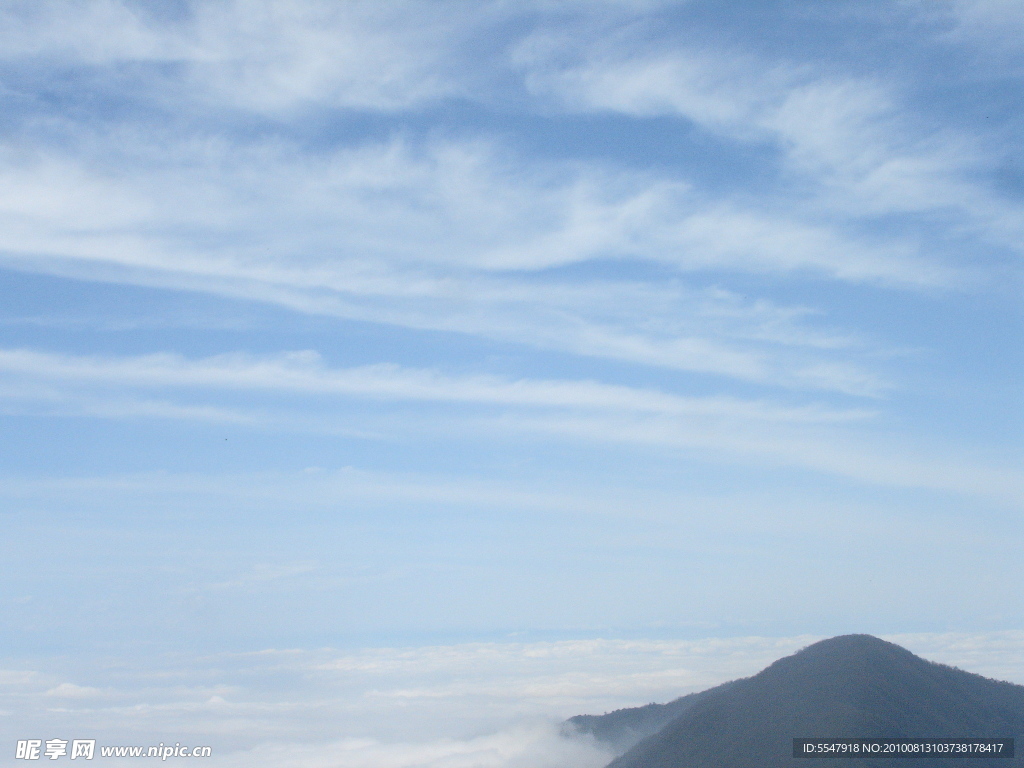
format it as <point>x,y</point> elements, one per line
<point>478,705</point>
<point>537,746</point>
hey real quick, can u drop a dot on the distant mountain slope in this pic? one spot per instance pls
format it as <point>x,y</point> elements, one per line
<point>623,728</point>
<point>850,686</point>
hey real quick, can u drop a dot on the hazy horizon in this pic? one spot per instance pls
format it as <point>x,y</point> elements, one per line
<point>478,705</point>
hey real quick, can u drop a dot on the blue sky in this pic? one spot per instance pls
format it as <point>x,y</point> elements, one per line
<point>363,324</point>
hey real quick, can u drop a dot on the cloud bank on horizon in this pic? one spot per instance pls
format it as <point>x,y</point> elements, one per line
<point>470,705</point>
<point>423,320</point>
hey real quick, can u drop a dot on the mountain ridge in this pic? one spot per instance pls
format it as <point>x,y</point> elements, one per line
<point>846,686</point>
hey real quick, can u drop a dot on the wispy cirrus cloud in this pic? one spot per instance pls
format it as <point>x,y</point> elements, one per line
<point>464,235</point>
<point>444,207</point>
<point>850,141</point>
<point>991,28</point>
<point>304,373</point>
<point>254,55</point>
<point>815,437</point>
<point>447,238</point>
<point>857,152</point>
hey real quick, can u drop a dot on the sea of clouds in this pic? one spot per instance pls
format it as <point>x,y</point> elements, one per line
<point>469,705</point>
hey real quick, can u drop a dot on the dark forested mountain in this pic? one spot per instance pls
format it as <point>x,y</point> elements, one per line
<point>849,686</point>
<point>623,728</point>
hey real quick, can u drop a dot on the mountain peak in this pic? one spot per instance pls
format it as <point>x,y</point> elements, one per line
<point>846,686</point>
